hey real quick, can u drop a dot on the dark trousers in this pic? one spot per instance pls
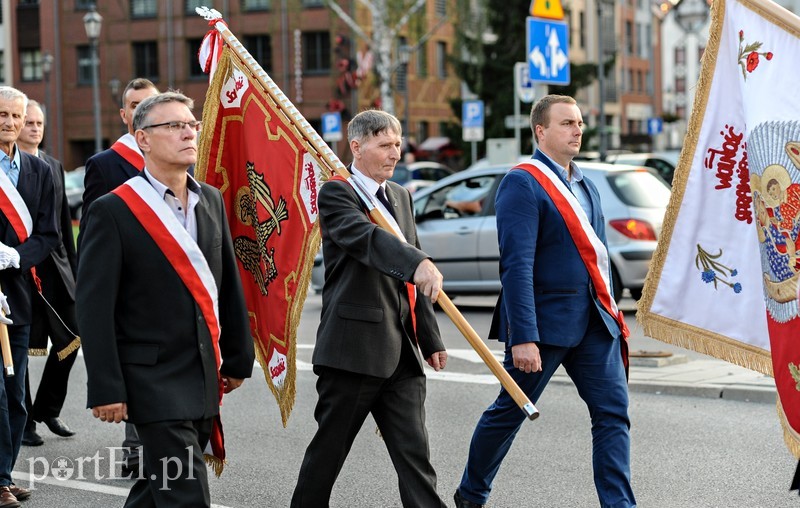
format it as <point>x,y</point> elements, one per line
<point>174,472</point>
<point>12,403</point>
<point>398,406</point>
<point>596,368</point>
<point>46,324</point>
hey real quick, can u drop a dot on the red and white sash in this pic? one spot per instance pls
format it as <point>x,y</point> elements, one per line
<point>591,249</point>
<point>127,148</point>
<point>187,260</point>
<point>13,207</point>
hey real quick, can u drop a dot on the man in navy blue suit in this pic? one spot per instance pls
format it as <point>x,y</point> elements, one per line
<point>556,308</point>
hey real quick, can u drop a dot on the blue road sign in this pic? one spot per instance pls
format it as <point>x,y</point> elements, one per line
<point>472,120</point>
<point>655,126</point>
<point>332,126</point>
<point>548,51</point>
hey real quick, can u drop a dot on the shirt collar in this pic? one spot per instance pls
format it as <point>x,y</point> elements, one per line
<point>369,184</point>
<point>162,189</point>
<point>577,174</point>
<point>17,160</point>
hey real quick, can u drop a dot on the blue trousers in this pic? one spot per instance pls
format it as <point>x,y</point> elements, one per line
<point>596,369</point>
<point>12,403</point>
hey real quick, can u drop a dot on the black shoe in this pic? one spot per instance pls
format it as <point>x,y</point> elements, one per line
<point>57,427</point>
<point>463,503</point>
<point>30,437</point>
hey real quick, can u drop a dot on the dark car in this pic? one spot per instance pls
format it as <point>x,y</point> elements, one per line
<point>417,175</point>
<point>73,185</point>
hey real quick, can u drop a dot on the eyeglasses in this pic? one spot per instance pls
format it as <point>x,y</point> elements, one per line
<point>178,126</point>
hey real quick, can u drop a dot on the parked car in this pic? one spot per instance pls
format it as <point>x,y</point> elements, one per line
<point>416,175</point>
<point>462,240</point>
<point>663,162</point>
<point>456,225</point>
<point>73,186</point>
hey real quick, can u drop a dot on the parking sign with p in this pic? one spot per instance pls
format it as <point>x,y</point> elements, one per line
<point>472,120</point>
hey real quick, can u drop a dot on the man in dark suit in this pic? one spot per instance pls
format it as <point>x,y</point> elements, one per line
<point>556,308</point>
<point>57,273</point>
<point>110,168</point>
<point>367,354</point>
<point>105,172</point>
<point>151,307</point>
<point>27,235</point>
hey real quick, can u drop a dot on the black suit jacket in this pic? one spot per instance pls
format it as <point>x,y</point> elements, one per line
<point>35,185</point>
<point>144,338</point>
<point>63,257</point>
<point>105,172</point>
<point>365,312</point>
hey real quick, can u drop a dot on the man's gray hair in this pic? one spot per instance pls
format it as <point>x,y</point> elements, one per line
<point>10,93</point>
<point>146,106</point>
<point>32,103</point>
<point>371,123</point>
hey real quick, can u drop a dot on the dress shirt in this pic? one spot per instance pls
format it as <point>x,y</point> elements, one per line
<point>574,184</point>
<point>186,217</point>
<point>11,166</point>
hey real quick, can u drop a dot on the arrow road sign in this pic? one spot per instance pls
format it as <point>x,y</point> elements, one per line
<point>548,51</point>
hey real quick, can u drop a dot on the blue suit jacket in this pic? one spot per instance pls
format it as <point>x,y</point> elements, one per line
<point>547,293</point>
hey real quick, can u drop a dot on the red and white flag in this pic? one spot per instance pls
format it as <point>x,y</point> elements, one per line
<point>724,277</point>
<point>269,181</point>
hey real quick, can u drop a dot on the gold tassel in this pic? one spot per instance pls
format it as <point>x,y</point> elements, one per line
<point>215,463</point>
<point>71,348</point>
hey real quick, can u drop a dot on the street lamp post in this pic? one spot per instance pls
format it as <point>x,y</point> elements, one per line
<point>405,56</point>
<point>601,78</point>
<point>93,22</point>
<point>47,66</point>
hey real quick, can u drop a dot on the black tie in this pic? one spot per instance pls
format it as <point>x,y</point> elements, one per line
<point>381,194</point>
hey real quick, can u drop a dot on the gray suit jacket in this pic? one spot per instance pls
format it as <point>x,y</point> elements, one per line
<point>365,308</point>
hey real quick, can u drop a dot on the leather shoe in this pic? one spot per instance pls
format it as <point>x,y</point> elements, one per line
<point>7,499</point>
<point>57,427</point>
<point>463,503</point>
<point>30,437</point>
<point>19,492</point>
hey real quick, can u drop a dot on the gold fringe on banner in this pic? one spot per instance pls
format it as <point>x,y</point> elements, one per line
<point>71,347</point>
<point>214,463</point>
<point>37,352</point>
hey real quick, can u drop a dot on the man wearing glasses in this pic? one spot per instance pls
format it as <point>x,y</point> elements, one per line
<point>160,307</point>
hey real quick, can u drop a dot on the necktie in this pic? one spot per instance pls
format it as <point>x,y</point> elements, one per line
<point>381,195</point>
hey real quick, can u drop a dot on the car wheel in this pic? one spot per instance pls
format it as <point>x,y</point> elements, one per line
<point>616,284</point>
<point>636,294</point>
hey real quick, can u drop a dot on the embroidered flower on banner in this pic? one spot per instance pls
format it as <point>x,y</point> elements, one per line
<point>750,56</point>
<point>712,271</point>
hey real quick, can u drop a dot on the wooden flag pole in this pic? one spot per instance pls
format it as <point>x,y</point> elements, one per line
<point>5,348</point>
<point>315,144</point>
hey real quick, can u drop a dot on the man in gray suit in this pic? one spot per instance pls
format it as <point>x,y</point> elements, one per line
<point>57,273</point>
<point>374,324</point>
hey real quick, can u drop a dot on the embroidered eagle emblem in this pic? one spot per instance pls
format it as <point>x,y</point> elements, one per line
<point>256,208</point>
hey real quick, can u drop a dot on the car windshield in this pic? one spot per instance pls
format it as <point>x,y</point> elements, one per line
<point>639,188</point>
<point>73,179</point>
<point>401,174</point>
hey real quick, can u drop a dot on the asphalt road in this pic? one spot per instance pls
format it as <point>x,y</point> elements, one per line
<point>686,452</point>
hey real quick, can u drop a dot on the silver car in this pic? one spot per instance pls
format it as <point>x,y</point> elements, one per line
<point>457,226</point>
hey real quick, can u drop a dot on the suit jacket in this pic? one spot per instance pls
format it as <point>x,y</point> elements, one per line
<point>144,338</point>
<point>35,185</point>
<point>62,261</point>
<point>365,310</point>
<point>105,172</point>
<point>547,293</point>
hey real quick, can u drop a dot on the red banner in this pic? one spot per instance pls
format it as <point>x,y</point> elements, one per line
<point>269,181</point>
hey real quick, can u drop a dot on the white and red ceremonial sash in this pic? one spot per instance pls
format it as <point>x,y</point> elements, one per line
<point>186,258</point>
<point>16,212</point>
<point>127,148</point>
<point>592,250</point>
<point>411,289</point>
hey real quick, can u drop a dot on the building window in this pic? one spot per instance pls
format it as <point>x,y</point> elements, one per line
<point>260,47</point>
<point>316,52</point>
<point>30,62</point>
<point>441,59</point>
<point>191,5</point>
<point>680,55</point>
<point>680,85</point>
<point>422,60</point>
<point>144,8</point>
<point>441,8</point>
<point>582,30</point>
<point>2,67</point>
<point>195,71</point>
<point>145,60</point>
<point>423,129</point>
<point>84,54</point>
<point>629,38</point>
<point>307,4</point>
<point>84,5</point>
<point>255,5</point>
